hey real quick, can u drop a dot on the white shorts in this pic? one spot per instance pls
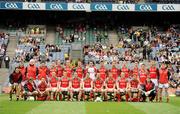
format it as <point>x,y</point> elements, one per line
<point>155,81</point>
<point>122,90</point>
<point>87,89</point>
<point>14,84</point>
<point>166,85</point>
<point>23,83</point>
<point>53,89</point>
<point>75,90</point>
<point>134,90</point>
<point>110,90</point>
<point>64,89</point>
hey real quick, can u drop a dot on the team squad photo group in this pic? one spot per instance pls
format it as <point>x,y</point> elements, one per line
<point>64,82</point>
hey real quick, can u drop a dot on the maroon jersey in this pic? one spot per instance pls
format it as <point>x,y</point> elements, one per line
<point>30,87</point>
<point>122,83</point>
<point>69,71</point>
<point>87,83</point>
<point>149,86</point>
<point>163,76</point>
<point>98,83</point>
<point>76,82</point>
<point>134,83</point>
<point>60,70</point>
<point>80,72</point>
<point>125,71</point>
<point>53,81</point>
<point>142,76</point>
<point>153,72</point>
<point>15,77</point>
<point>110,83</point>
<point>102,72</point>
<point>115,73</point>
<point>64,82</point>
<point>42,86</point>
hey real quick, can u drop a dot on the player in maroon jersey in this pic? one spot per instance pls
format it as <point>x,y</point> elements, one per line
<point>64,86</point>
<point>98,87</point>
<point>80,70</point>
<point>115,72</point>
<point>110,90</point>
<point>52,86</point>
<point>102,71</point>
<point>87,88</point>
<point>15,80</point>
<point>42,89</point>
<point>30,89</point>
<point>75,89</point>
<point>133,89</point>
<point>164,75</point>
<point>60,69</point>
<point>121,85</point>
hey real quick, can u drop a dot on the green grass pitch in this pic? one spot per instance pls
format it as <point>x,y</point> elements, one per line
<point>58,107</point>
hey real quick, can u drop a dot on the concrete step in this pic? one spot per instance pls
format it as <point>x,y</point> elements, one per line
<point>51,35</point>
<point>113,38</point>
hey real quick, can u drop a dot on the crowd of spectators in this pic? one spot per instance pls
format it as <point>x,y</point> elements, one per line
<point>139,45</point>
<point>4,40</point>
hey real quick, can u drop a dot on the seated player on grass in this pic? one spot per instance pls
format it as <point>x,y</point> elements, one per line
<point>30,89</point>
<point>64,87</point>
<point>87,88</point>
<point>15,80</point>
<point>122,87</point>
<point>133,91</point>
<point>42,90</point>
<point>148,90</point>
<point>110,90</point>
<point>75,88</point>
<point>52,86</point>
<point>98,87</point>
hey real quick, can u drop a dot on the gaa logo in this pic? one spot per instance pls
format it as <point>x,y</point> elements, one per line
<point>168,8</point>
<point>33,6</point>
<point>78,7</point>
<point>100,7</point>
<point>145,7</point>
<point>11,5</point>
<point>123,7</point>
<point>56,7</point>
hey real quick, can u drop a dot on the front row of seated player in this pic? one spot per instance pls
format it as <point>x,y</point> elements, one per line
<point>64,88</point>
